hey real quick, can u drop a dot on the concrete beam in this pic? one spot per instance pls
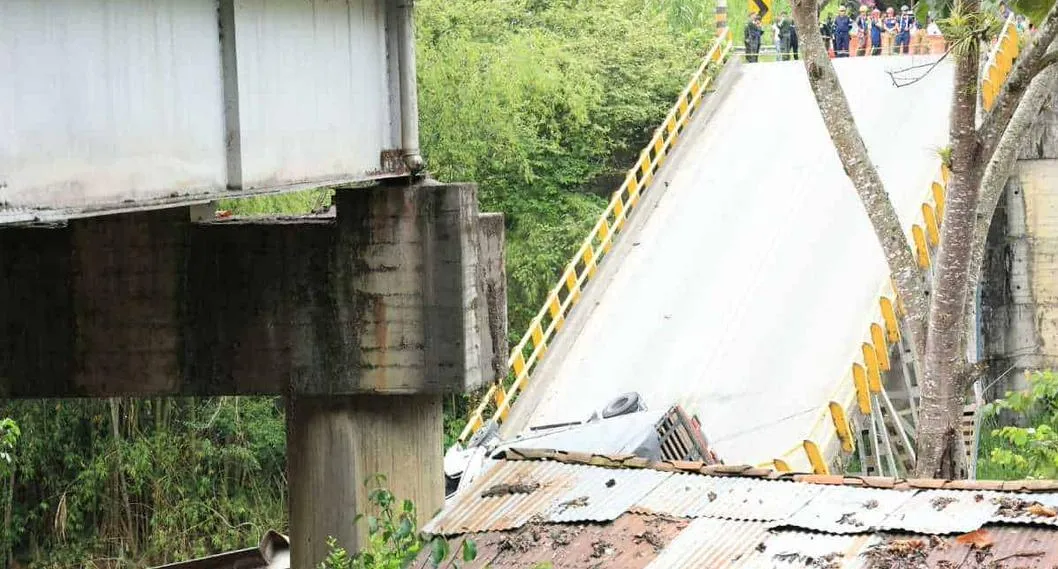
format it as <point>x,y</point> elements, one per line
<point>385,298</point>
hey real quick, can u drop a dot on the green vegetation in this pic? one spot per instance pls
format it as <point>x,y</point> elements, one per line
<point>544,104</point>
<point>393,539</point>
<point>1014,452</point>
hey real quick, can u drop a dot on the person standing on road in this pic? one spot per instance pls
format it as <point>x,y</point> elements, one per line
<point>842,29</point>
<point>876,32</point>
<point>904,26</point>
<point>826,29</point>
<point>776,36</point>
<point>751,36</point>
<point>785,35</point>
<point>863,24</point>
<point>890,25</point>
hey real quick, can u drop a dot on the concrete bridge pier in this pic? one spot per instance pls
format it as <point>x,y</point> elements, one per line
<point>410,276</point>
<point>362,320</point>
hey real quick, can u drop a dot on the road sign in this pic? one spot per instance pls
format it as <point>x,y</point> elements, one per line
<point>763,8</point>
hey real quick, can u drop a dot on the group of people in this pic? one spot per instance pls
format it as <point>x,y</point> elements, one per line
<point>876,34</point>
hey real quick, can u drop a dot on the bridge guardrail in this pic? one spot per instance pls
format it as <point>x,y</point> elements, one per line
<point>530,350</point>
<point>872,357</point>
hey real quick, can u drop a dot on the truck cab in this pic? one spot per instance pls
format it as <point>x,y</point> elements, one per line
<point>623,427</point>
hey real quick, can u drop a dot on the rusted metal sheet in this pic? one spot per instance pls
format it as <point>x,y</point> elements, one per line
<point>846,509</point>
<point>629,542</point>
<point>1009,547</point>
<point>506,496</point>
<point>717,544</point>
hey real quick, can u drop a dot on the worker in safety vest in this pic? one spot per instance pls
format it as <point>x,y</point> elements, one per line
<point>842,29</point>
<point>904,27</point>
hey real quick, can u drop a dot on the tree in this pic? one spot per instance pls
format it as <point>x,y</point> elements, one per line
<point>980,161</point>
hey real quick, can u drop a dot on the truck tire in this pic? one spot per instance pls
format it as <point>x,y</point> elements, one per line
<point>622,405</point>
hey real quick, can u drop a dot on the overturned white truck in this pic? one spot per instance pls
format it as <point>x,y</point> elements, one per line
<point>625,426</point>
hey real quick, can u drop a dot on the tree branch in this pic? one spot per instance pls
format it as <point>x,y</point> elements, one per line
<point>837,116</point>
<point>900,82</point>
<point>1027,66</point>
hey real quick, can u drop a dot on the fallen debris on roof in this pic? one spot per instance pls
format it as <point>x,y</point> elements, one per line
<point>585,511</point>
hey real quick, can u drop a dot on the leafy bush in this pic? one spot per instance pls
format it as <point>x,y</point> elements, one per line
<point>1014,452</point>
<point>393,542</point>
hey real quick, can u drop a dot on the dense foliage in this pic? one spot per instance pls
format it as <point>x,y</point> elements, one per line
<point>542,102</point>
<point>1028,448</point>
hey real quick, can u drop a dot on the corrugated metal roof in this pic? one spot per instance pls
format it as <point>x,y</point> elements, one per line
<point>763,500</point>
<point>505,496</point>
<point>802,549</point>
<point>1011,547</point>
<point>511,493</point>
<point>600,494</point>
<point>845,509</point>
<point>686,495</point>
<point>717,544</point>
<point>942,511</point>
<point>694,496</point>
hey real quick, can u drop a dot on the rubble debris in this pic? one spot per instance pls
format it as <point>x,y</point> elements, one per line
<point>828,561</point>
<point>601,549</point>
<point>563,536</point>
<point>508,489</point>
<point>578,502</point>
<point>941,502</point>
<point>1010,507</point>
<point>899,554</point>
<point>652,538</point>
<point>849,518</point>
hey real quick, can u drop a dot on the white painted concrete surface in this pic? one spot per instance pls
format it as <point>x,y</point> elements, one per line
<point>108,100</point>
<point>109,104</point>
<point>757,274</point>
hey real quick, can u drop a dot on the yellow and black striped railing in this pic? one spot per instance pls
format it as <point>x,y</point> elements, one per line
<point>529,351</point>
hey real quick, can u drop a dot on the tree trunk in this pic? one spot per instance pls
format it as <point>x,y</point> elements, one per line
<point>999,169</point>
<point>945,371</point>
<point>861,171</point>
<point>115,429</point>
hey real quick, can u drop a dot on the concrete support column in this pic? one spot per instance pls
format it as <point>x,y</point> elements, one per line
<point>336,443</point>
<point>411,312</point>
